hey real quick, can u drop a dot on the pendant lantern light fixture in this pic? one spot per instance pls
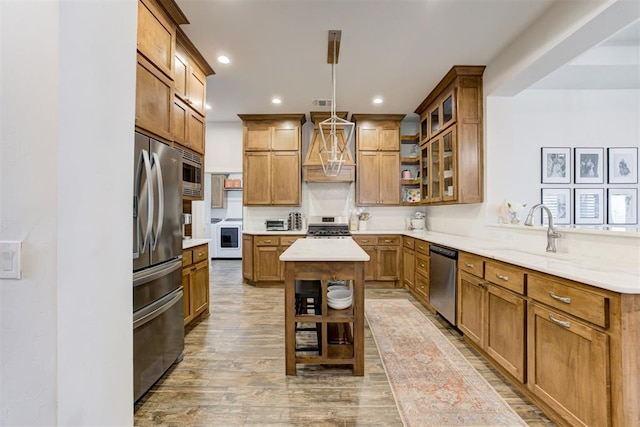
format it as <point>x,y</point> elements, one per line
<point>336,132</point>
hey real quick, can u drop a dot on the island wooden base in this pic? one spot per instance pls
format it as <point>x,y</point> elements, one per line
<point>348,353</point>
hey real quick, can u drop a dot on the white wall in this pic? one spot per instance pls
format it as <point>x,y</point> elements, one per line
<point>223,147</point>
<point>519,126</point>
<point>67,107</point>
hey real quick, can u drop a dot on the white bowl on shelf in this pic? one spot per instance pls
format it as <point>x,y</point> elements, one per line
<point>339,305</point>
<point>332,288</point>
<point>339,295</point>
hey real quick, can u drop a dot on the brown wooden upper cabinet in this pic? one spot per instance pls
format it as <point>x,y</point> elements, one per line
<point>190,88</point>
<point>170,78</point>
<point>272,146</point>
<point>377,158</point>
<point>190,83</point>
<point>451,139</point>
<point>156,36</point>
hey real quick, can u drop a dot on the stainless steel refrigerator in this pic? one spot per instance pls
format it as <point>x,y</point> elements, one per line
<point>158,325</point>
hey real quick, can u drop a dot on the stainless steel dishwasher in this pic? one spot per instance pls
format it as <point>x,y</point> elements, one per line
<point>442,281</point>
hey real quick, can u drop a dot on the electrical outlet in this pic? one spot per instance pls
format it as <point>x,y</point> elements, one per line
<point>10,260</point>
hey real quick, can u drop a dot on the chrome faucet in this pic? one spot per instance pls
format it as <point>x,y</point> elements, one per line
<point>552,234</point>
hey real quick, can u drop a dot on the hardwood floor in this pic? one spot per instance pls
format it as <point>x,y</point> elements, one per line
<point>233,370</point>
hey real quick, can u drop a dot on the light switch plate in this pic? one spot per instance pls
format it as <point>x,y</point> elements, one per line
<point>10,260</point>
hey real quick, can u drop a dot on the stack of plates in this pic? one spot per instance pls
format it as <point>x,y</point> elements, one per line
<point>339,299</point>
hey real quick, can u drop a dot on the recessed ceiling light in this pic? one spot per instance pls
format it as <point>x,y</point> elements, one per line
<point>223,59</point>
<point>377,100</point>
<point>276,100</point>
<point>207,106</point>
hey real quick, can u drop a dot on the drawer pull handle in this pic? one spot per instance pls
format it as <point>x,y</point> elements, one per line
<point>365,241</point>
<point>565,300</point>
<point>200,253</point>
<point>267,241</point>
<point>501,277</point>
<point>469,265</point>
<point>422,264</point>
<point>421,247</point>
<point>560,322</point>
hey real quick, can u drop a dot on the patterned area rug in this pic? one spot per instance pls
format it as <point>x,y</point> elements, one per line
<point>433,384</point>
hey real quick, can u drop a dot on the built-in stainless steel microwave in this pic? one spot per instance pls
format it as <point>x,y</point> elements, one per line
<point>192,172</point>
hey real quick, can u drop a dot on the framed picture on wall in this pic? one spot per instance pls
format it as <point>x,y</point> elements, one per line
<point>589,165</point>
<point>556,165</point>
<point>623,165</point>
<point>589,205</point>
<point>558,200</point>
<point>622,206</point>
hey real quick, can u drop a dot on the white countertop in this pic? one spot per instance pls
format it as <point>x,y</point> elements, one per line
<point>324,250</point>
<point>618,278</point>
<point>190,243</point>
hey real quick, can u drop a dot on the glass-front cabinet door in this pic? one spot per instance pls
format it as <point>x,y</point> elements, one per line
<point>435,174</point>
<point>448,110</point>
<point>449,188</point>
<point>434,120</point>
<point>424,172</point>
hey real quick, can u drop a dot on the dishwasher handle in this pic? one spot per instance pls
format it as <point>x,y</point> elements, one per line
<point>446,252</point>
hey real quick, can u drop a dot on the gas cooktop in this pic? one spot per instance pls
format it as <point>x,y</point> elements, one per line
<point>331,229</point>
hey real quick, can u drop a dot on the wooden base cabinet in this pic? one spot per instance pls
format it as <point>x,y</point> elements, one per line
<point>579,361</point>
<point>261,263</point>
<point>568,367</point>
<point>247,257</point>
<point>195,283</point>
<point>408,263</point>
<point>385,254</point>
<point>490,316</point>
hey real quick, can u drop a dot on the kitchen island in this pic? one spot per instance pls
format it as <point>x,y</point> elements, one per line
<point>324,260</point>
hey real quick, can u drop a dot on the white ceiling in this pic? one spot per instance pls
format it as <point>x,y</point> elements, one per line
<point>397,49</point>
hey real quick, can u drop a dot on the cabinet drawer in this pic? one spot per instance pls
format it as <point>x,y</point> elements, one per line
<point>187,257</point>
<point>422,247</point>
<point>267,240</point>
<point>388,240</point>
<point>504,275</point>
<point>422,264</point>
<point>200,253</point>
<point>573,300</point>
<point>363,240</point>
<point>422,286</point>
<point>472,264</point>
<point>408,242</point>
<point>288,241</point>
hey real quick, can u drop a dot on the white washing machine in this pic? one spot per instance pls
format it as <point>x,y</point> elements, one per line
<point>229,238</point>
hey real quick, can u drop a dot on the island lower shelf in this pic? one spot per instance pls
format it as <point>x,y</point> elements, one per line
<point>342,331</point>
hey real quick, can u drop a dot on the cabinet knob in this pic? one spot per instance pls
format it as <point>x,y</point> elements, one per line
<point>200,253</point>
<point>422,264</point>
<point>501,277</point>
<point>469,265</point>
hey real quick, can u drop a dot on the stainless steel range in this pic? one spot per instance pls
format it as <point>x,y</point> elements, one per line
<point>328,230</point>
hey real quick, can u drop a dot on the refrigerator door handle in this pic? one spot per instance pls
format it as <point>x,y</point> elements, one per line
<point>155,272</point>
<point>147,314</point>
<point>144,159</point>
<point>156,163</point>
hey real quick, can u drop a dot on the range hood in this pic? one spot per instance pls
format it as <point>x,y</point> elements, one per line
<point>312,167</point>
